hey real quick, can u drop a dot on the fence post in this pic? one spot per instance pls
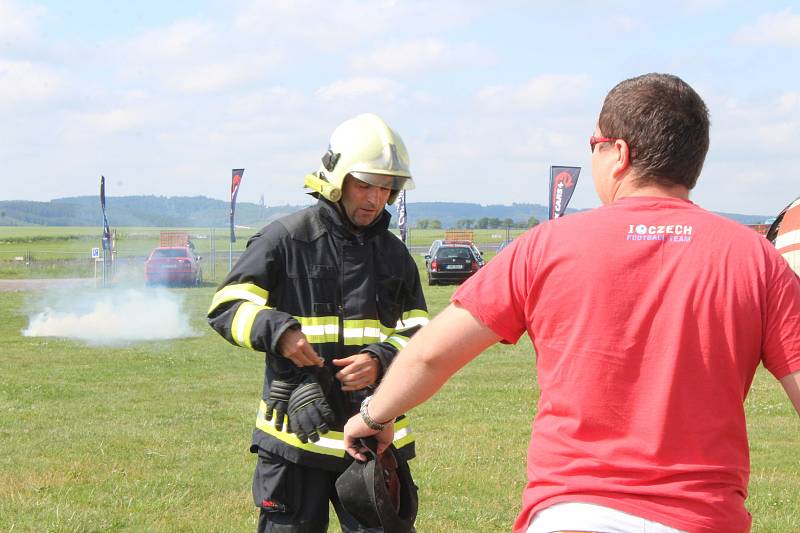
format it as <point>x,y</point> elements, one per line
<point>213,256</point>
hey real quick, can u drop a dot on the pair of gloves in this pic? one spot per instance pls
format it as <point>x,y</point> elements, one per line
<point>304,401</point>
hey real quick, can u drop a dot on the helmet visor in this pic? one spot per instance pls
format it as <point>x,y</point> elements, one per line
<point>386,181</point>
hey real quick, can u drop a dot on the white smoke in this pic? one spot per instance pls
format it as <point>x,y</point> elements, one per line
<point>114,317</point>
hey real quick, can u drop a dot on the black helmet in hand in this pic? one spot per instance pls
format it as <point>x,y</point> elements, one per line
<point>380,492</point>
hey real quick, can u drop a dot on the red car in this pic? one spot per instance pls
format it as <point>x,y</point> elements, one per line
<point>170,265</point>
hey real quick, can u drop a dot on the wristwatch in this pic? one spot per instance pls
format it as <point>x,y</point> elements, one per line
<point>371,424</point>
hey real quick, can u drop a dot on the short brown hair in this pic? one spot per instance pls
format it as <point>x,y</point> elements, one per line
<point>665,122</point>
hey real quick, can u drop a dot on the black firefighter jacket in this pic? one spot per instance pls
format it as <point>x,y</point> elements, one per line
<point>348,292</point>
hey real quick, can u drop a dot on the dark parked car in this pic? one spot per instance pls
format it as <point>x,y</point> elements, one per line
<point>452,263</point>
<point>438,242</point>
<point>170,265</point>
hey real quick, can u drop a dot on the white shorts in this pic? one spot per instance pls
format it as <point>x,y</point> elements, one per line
<point>575,516</point>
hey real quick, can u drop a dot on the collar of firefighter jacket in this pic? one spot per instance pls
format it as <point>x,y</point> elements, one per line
<point>337,222</point>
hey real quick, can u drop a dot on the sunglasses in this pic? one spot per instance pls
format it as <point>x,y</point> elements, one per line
<point>596,140</point>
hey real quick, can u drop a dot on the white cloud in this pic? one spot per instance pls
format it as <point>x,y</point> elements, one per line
<point>698,7</point>
<point>420,55</point>
<point>179,40</point>
<point>768,123</point>
<point>330,26</point>
<point>18,22</point>
<point>25,82</point>
<point>116,120</point>
<point>621,24</point>
<point>539,92</point>
<point>268,99</point>
<point>192,57</point>
<point>358,87</point>
<point>789,102</point>
<point>210,77</point>
<point>316,23</point>
<point>778,29</point>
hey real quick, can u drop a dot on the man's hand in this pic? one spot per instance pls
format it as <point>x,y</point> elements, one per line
<point>278,400</point>
<point>359,371</point>
<point>294,346</point>
<point>309,412</point>
<point>356,429</point>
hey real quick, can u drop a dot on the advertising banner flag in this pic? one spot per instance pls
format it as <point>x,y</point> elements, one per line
<point>562,184</point>
<point>402,223</point>
<point>106,231</point>
<point>236,180</point>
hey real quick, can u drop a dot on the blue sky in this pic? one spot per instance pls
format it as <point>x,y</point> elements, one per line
<point>164,98</point>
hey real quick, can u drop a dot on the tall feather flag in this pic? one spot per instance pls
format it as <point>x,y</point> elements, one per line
<point>562,184</point>
<point>236,180</point>
<point>402,220</point>
<point>106,231</point>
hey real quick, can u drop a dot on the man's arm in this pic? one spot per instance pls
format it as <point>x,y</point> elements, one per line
<point>240,312</point>
<point>436,352</point>
<point>791,384</point>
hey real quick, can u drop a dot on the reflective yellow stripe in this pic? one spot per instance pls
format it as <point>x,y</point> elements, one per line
<point>415,313</point>
<point>240,291</point>
<point>332,442</point>
<point>243,321</point>
<point>363,331</point>
<point>402,435</point>
<point>319,329</point>
<point>398,341</point>
<point>413,318</point>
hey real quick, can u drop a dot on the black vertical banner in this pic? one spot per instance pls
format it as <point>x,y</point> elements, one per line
<point>106,231</point>
<point>236,180</point>
<point>402,223</point>
<point>562,184</point>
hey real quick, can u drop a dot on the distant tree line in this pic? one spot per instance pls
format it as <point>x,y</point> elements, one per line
<point>476,223</point>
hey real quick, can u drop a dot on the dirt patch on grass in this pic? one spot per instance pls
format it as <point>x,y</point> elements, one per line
<point>41,284</point>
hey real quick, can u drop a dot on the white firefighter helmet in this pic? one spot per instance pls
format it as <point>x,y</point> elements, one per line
<point>366,148</point>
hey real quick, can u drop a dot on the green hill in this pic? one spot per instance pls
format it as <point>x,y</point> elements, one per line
<point>200,211</point>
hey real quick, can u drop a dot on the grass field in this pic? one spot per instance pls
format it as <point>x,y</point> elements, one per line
<point>153,436</point>
<point>65,252</point>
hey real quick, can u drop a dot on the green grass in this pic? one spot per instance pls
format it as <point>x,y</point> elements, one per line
<point>153,436</point>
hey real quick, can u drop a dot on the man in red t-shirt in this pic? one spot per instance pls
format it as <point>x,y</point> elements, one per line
<point>649,317</point>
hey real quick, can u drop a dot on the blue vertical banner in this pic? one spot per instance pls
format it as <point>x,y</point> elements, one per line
<point>402,219</point>
<point>562,184</point>
<point>236,181</point>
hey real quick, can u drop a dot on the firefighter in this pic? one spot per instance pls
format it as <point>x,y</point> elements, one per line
<point>330,296</point>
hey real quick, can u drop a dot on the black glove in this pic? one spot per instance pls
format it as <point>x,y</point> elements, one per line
<point>309,412</point>
<point>278,400</point>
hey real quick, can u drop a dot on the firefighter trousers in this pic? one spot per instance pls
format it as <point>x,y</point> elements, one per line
<point>294,498</point>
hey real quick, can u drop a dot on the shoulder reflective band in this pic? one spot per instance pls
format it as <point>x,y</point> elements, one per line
<point>240,291</point>
<point>332,442</point>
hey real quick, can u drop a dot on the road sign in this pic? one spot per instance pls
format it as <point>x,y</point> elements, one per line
<point>95,253</point>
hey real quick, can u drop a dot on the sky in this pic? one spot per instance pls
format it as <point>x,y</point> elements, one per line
<point>165,98</point>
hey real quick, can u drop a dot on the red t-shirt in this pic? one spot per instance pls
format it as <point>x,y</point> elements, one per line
<point>649,318</point>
